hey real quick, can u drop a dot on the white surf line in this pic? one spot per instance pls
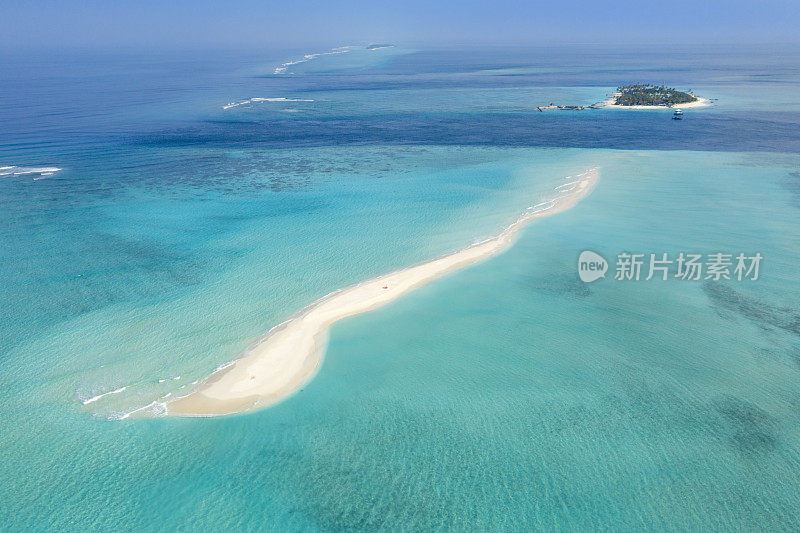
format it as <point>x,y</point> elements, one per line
<point>289,354</point>
<point>570,184</point>
<point>161,405</point>
<point>37,172</point>
<point>99,396</point>
<point>271,99</point>
<point>544,206</point>
<point>283,68</point>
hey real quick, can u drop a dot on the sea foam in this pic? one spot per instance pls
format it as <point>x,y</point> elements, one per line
<point>284,67</point>
<point>256,100</point>
<point>151,409</point>
<point>99,396</point>
<point>37,172</point>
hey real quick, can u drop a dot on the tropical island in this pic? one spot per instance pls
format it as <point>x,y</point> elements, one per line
<point>645,96</point>
<point>378,46</point>
<point>639,96</point>
<point>642,94</point>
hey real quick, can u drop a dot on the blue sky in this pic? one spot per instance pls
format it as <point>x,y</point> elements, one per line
<point>51,23</point>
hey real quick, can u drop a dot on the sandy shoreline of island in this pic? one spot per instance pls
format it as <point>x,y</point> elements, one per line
<point>700,102</point>
<point>290,353</point>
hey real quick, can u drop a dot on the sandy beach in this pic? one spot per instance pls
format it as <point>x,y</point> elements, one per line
<point>700,102</point>
<point>289,354</point>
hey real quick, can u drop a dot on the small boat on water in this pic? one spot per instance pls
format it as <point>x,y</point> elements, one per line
<point>677,115</point>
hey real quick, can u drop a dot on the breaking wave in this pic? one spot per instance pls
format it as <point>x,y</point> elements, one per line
<point>256,100</point>
<point>37,172</point>
<point>99,396</point>
<point>284,67</point>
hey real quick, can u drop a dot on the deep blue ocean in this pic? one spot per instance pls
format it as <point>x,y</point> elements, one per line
<point>186,219</point>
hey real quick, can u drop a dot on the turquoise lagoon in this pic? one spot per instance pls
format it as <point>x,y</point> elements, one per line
<point>507,396</point>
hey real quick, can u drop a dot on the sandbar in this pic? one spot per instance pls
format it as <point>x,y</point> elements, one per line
<point>287,357</point>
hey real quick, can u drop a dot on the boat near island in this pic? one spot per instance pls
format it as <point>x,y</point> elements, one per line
<point>677,115</point>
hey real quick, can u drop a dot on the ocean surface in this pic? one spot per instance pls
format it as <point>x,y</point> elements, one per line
<point>201,198</point>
